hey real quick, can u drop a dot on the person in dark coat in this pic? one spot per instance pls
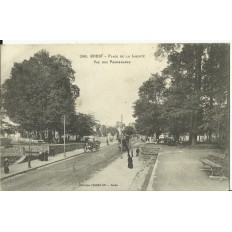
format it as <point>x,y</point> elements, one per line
<point>42,156</point>
<point>137,151</point>
<point>6,165</point>
<point>39,155</point>
<point>130,162</point>
<point>52,152</point>
<point>46,156</point>
<point>132,153</point>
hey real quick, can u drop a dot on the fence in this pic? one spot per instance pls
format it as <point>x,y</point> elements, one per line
<point>11,153</point>
<point>15,153</point>
<point>55,149</point>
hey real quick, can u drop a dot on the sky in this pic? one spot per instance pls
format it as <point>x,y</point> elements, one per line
<point>107,90</point>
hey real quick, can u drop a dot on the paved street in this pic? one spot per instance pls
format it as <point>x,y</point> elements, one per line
<point>65,175</point>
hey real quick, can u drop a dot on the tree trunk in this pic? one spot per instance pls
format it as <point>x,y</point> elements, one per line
<point>60,140</point>
<point>50,136</point>
<point>37,134</point>
<point>210,106</point>
<point>177,137</point>
<point>43,135</point>
<point>197,88</point>
<point>190,138</point>
<point>194,140</point>
<point>157,136</point>
<point>194,131</point>
<point>210,136</point>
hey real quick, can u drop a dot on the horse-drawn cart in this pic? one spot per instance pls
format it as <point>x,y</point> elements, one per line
<point>92,146</point>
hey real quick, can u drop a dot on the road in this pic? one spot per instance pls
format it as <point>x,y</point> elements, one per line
<point>65,175</point>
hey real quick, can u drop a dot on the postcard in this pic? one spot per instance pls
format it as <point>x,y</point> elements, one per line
<point>115,117</point>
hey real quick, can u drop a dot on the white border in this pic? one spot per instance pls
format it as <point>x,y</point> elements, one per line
<point>101,22</point>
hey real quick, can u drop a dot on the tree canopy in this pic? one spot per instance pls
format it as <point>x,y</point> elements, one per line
<point>40,91</point>
<point>112,130</point>
<point>129,130</point>
<point>190,95</point>
<point>81,124</point>
<point>148,108</point>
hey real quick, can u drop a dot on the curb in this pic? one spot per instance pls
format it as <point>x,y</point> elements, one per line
<point>152,177</point>
<point>142,178</point>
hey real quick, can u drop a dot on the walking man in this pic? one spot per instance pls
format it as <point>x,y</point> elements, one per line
<point>46,156</point>
<point>6,165</point>
<point>137,151</point>
<point>130,162</point>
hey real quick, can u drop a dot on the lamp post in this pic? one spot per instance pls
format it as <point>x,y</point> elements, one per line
<point>29,152</point>
<point>64,138</point>
<point>121,135</point>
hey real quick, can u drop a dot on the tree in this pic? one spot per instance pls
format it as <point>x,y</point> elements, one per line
<point>129,130</point>
<point>81,124</point>
<point>112,130</point>
<point>199,77</point>
<point>185,65</point>
<point>216,91</point>
<point>98,132</point>
<point>148,109</point>
<point>180,102</point>
<point>103,130</point>
<point>39,92</point>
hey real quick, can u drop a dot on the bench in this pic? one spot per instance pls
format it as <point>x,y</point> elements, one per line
<point>215,167</point>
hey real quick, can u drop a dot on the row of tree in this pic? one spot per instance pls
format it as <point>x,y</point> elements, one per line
<point>191,95</point>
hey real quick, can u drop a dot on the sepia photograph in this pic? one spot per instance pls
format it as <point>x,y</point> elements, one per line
<point>115,117</point>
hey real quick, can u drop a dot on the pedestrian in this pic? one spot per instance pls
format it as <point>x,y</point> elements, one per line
<point>128,151</point>
<point>132,153</point>
<point>42,156</point>
<point>39,155</point>
<point>137,151</point>
<point>52,152</point>
<point>130,162</point>
<point>6,165</point>
<point>107,142</point>
<point>29,160</point>
<point>46,156</point>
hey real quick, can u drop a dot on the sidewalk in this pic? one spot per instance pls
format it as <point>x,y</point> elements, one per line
<point>115,177</point>
<point>180,170</point>
<point>21,168</point>
<point>118,177</point>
